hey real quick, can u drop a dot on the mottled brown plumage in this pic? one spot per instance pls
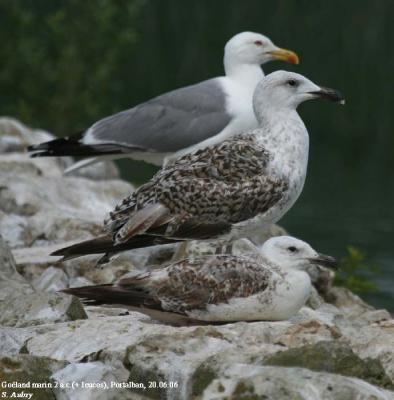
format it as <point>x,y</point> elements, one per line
<point>200,196</point>
<point>185,285</point>
<point>231,175</point>
<point>270,284</point>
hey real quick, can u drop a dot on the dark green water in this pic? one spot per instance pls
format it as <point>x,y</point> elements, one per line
<point>68,63</point>
<point>349,194</point>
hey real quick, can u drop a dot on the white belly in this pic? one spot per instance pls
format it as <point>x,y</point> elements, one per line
<point>281,300</point>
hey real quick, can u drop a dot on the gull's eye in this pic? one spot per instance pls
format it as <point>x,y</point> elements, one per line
<point>292,82</point>
<point>258,43</point>
<point>292,249</point>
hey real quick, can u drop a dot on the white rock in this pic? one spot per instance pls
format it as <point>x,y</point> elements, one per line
<point>67,209</point>
<point>290,383</point>
<point>15,136</point>
<point>102,170</point>
<point>11,282</point>
<point>12,340</point>
<point>196,248</point>
<point>51,280</point>
<point>79,281</point>
<point>39,308</point>
<point>13,228</point>
<point>90,381</point>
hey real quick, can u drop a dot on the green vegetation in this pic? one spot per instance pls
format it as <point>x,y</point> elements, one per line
<point>353,270</point>
<point>65,63</point>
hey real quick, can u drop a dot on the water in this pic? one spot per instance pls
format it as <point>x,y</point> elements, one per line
<point>349,193</point>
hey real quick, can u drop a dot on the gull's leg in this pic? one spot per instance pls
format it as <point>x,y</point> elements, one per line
<point>224,247</point>
<point>229,248</point>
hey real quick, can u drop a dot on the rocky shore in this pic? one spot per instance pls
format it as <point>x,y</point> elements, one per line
<point>54,347</point>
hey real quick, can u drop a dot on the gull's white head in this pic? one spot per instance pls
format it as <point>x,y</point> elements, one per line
<point>286,90</point>
<point>254,48</point>
<point>291,253</point>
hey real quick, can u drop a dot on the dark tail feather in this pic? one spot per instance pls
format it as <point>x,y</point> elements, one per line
<point>135,299</point>
<point>104,245</point>
<point>107,294</point>
<point>100,245</point>
<point>72,146</point>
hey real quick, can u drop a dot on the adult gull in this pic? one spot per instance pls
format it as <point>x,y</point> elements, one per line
<point>219,288</point>
<point>228,190</point>
<point>174,123</point>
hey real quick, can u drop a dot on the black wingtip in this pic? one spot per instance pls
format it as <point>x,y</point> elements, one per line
<point>38,150</point>
<point>60,253</point>
<point>57,253</point>
<point>103,294</point>
<point>41,154</point>
<point>52,148</point>
<point>99,245</point>
<point>35,147</point>
<point>84,293</point>
<point>74,147</point>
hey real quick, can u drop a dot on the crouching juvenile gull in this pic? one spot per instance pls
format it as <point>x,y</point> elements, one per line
<point>173,123</point>
<point>229,190</point>
<point>220,288</point>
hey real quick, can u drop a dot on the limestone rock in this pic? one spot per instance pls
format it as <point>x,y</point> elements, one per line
<point>103,170</point>
<point>195,356</point>
<point>98,380</point>
<point>11,282</point>
<point>12,340</point>
<point>150,257</point>
<point>347,301</point>
<point>273,230</point>
<point>39,308</point>
<point>79,281</point>
<point>67,209</point>
<point>28,370</point>
<point>333,357</point>
<point>290,384</point>
<point>51,280</point>
<point>15,136</point>
<point>197,248</point>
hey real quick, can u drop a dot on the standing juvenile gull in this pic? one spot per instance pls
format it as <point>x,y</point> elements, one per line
<point>220,288</point>
<point>229,190</point>
<point>176,121</point>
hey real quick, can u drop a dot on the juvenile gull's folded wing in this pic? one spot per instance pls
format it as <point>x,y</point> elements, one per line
<point>185,285</point>
<point>223,184</point>
<point>203,195</point>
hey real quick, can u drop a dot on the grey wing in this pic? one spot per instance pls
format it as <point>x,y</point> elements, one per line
<point>170,122</point>
<point>194,284</point>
